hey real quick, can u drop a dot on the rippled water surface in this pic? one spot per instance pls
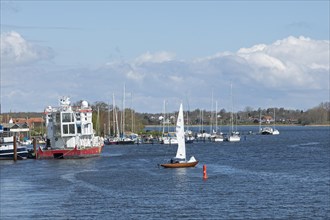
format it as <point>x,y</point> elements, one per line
<point>285,177</point>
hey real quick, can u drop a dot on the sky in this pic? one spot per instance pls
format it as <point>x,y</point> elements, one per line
<point>229,54</point>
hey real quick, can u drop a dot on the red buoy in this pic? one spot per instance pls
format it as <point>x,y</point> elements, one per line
<point>204,172</point>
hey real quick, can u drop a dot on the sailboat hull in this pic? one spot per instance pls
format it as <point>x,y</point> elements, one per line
<point>180,165</point>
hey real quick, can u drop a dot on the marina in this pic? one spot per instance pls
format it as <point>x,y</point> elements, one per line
<point>169,110</point>
<point>284,176</point>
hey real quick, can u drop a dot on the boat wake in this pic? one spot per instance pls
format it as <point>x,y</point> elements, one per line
<point>110,154</point>
<point>223,170</point>
<point>71,177</point>
<point>304,144</point>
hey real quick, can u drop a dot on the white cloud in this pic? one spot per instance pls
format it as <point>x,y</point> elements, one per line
<point>158,57</point>
<point>15,50</point>
<point>177,79</point>
<point>264,75</point>
<point>296,64</point>
<point>134,75</point>
<point>290,62</point>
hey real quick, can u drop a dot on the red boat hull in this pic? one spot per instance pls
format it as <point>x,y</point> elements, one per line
<point>74,153</point>
<point>179,165</point>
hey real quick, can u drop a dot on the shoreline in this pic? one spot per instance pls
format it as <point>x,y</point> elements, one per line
<point>270,125</point>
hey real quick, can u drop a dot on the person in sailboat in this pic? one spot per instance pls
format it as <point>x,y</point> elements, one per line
<point>176,160</point>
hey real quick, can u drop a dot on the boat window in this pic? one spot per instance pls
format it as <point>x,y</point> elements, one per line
<point>66,117</point>
<point>78,129</point>
<point>72,129</point>
<point>57,129</point>
<point>50,118</point>
<point>58,118</point>
<point>65,129</point>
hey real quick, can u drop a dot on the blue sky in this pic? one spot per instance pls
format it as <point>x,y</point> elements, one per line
<point>275,53</point>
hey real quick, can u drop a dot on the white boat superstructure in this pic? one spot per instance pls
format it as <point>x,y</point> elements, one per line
<point>7,145</point>
<point>70,128</point>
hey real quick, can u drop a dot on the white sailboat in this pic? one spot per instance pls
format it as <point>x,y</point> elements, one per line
<point>233,136</point>
<point>216,137</point>
<point>269,130</point>
<point>179,160</point>
<point>275,131</point>
<point>167,137</point>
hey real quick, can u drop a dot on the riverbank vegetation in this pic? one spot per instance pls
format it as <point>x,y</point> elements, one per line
<point>105,124</point>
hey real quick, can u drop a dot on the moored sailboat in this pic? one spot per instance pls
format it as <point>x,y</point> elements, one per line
<point>233,136</point>
<point>179,161</point>
<point>269,130</point>
<point>275,131</point>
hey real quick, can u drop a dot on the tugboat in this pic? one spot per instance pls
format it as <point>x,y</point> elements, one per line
<point>70,132</point>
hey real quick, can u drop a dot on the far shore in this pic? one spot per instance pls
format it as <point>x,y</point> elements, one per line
<point>279,125</point>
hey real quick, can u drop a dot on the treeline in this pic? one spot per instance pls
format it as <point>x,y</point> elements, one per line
<point>109,118</point>
<point>319,115</point>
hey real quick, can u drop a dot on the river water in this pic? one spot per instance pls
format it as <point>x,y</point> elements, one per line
<point>262,177</point>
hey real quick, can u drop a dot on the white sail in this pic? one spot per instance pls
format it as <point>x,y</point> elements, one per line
<point>181,152</point>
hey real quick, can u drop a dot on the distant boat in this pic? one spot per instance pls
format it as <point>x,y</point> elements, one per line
<point>269,130</point>
<point>7,145</point>
<point>217,136</point>
<point>202,135</point>
<point>169,138</point>
<point>233,136</point>
<point>189,137</point>
<point>275,131</point>
<point>118,141</point>
<point>179,161</point>
<point>70,132</point>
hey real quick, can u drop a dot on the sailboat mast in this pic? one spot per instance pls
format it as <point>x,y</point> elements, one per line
<point>232,108</point>
<point>216,116</point>
<point>132,112</point>
<point>123,114</point>
<point>164,117</point>
<point>115,118</point>
<point>109,119</point>
<point>187,112</point>
<point>259,119</point>
<point>202,121</point>
<point>274,118</point>
<point>211,118</point>
<point>113,114</point>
